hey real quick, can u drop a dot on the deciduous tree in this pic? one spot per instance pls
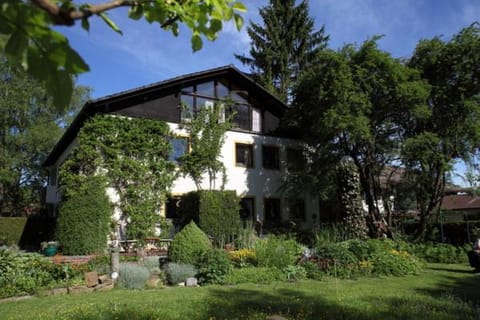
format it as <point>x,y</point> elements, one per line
<point>29,128</point>
<point>450,129</point>
<point>352,103</point>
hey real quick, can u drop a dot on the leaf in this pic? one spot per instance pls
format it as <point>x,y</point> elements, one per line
<point>110,23</point>
<point>196,42</point>
<point>16,45</point>
<point>135,12</point>
<point>86,24</point>
<point>61,85</point>
<point>238,6</point>
<point>238,21</point>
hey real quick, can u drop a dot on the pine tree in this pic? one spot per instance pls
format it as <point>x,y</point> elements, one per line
<point>284,46</point>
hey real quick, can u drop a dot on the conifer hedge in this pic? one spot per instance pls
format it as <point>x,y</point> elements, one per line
<point>83,221</point>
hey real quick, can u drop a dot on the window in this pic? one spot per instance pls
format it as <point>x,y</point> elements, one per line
<point>295,159</point>
<point>206,89</point>
<point>244,155</point>
<point>247,210</point>
<point>172,207</point>
<point>272,214</point>
<point>179,148</point>
<point>241,117</point>
<point>271,157</point>
<point>187,107</point>
<point>296,207</point>
<point>256,120</point>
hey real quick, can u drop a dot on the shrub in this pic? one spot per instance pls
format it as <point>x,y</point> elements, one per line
<point>132,275</point>
<point>260,275</point>
<point>100,264</point>
<point>216,213</point>
<point>179,272</point>
<point>294,273</point>
<point>83,221</point>
<point>312,271</point>
<point>395,263</point>
<point>213,267</point>
<point>243,257</point>
<point>277,251</point>
<point>189,245</point>
<point>336,260</point>
<point>152,263</point>
<point>441,253</point>
<point>26,273</point>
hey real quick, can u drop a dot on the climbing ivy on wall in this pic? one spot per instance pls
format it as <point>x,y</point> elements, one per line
<point>207,135</point>
<point>132,154</point>
<point>348,189</point>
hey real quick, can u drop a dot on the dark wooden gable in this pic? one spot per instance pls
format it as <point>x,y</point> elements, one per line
<point>162,101</point>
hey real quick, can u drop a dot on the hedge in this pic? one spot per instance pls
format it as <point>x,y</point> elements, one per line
<point>216,213</point>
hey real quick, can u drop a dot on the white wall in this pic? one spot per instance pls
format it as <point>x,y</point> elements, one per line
<point>255,182</point>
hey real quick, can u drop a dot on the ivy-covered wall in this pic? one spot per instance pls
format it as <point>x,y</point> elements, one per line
<point>132,156</point>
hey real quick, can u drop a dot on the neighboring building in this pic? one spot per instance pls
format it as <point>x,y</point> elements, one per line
<point>255,154</point>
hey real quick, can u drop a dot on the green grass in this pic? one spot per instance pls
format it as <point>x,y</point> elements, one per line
<point>441,292</point>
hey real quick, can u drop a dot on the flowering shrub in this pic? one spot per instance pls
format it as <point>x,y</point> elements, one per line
<point>243,257</point>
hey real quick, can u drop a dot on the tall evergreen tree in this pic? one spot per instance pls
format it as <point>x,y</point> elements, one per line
<point>284,46</point>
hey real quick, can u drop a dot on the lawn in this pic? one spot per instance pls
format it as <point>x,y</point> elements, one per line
<point>441,292</point>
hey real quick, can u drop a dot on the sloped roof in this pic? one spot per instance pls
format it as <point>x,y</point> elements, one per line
<point>127,98</point>
<point>461,202</point>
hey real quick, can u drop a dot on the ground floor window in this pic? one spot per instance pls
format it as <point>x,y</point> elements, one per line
<point>272,212</point>
<point>296,208</point>
<point>247,210</point>
<point>172,208</point>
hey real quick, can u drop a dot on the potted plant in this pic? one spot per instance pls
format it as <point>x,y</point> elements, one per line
<point>49,248</point>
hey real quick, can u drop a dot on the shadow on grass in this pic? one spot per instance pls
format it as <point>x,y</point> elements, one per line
<point>293,304</point>
<point>464,288</point>
<point>237,303</point>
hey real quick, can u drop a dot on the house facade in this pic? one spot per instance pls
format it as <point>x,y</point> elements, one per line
<point>256,155</point>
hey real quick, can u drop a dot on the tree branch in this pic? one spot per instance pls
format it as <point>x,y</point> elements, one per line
<point>67,16</point>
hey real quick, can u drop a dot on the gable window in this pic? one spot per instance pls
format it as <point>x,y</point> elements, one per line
<point>256,120</point>
<point>187,109</point>
<point>296,208</point>
<point>272,212</point>
<point>241,116</point>
<point>271,157</point>
<point>244,155</point>
<point>179,148</point>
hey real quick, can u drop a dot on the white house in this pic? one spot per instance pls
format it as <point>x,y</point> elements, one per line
<point>256,154</point>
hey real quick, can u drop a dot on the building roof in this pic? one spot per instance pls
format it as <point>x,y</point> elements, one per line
<point>461,202</point>
<point>129,97</point>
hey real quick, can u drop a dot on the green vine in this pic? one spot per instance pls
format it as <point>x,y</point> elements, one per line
<point>348,189</point>
<point>207,135</point>
<point>132,155</point>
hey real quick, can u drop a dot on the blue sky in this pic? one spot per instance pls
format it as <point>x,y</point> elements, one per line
<point>147,54</point>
